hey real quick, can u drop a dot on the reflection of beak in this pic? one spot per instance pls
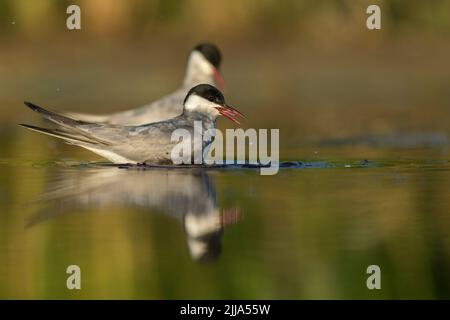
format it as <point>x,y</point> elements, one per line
<point>231,216</point>
<point>219,79</point>
<point>230,113</point>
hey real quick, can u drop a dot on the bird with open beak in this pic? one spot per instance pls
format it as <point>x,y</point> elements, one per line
<point>202,68</point>
<point>149,143</point>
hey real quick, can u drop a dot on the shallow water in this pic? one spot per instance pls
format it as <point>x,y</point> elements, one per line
<point>308,232</point>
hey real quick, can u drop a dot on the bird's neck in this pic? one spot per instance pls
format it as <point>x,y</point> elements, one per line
<point>196,107</point>
<point>194,77</point>
<point>198,71</point>
<point>208,121</point>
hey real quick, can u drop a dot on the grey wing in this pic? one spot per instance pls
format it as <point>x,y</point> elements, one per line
<point>151,143</point>
<point>165,108</point>
<point>117,143</point>
<point>68,127</point>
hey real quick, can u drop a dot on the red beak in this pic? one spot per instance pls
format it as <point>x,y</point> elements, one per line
<point>219,79</point>
<point>230,113</point>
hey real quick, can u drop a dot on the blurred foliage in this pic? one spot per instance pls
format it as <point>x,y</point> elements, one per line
<point>230,18</point>
<point>294,53</point>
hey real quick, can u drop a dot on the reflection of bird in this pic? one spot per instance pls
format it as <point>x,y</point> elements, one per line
<point>202,67</point>
<point>187,195</point>
<point>150,143</point>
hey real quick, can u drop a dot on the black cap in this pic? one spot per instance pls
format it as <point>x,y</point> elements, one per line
<point>207,92</point>
<point>210,52</point>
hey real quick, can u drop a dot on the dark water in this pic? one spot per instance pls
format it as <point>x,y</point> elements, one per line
<point>308,232</point>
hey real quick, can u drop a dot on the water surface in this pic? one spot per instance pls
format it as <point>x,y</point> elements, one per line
<point>308,232</point>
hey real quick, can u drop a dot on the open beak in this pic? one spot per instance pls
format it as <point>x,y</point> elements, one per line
<point>219,79</point>
<point>230,113</point>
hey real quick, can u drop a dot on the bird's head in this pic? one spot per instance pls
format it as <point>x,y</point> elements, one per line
<point>208,100</point>
<point>205,58</point>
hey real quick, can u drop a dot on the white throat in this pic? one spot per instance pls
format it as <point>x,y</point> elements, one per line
<point>199,70</point>
<point>200,105</point>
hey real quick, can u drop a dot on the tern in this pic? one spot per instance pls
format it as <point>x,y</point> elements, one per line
<point>188,196</point>
<point>202,67</point>
<point>150,143</point>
